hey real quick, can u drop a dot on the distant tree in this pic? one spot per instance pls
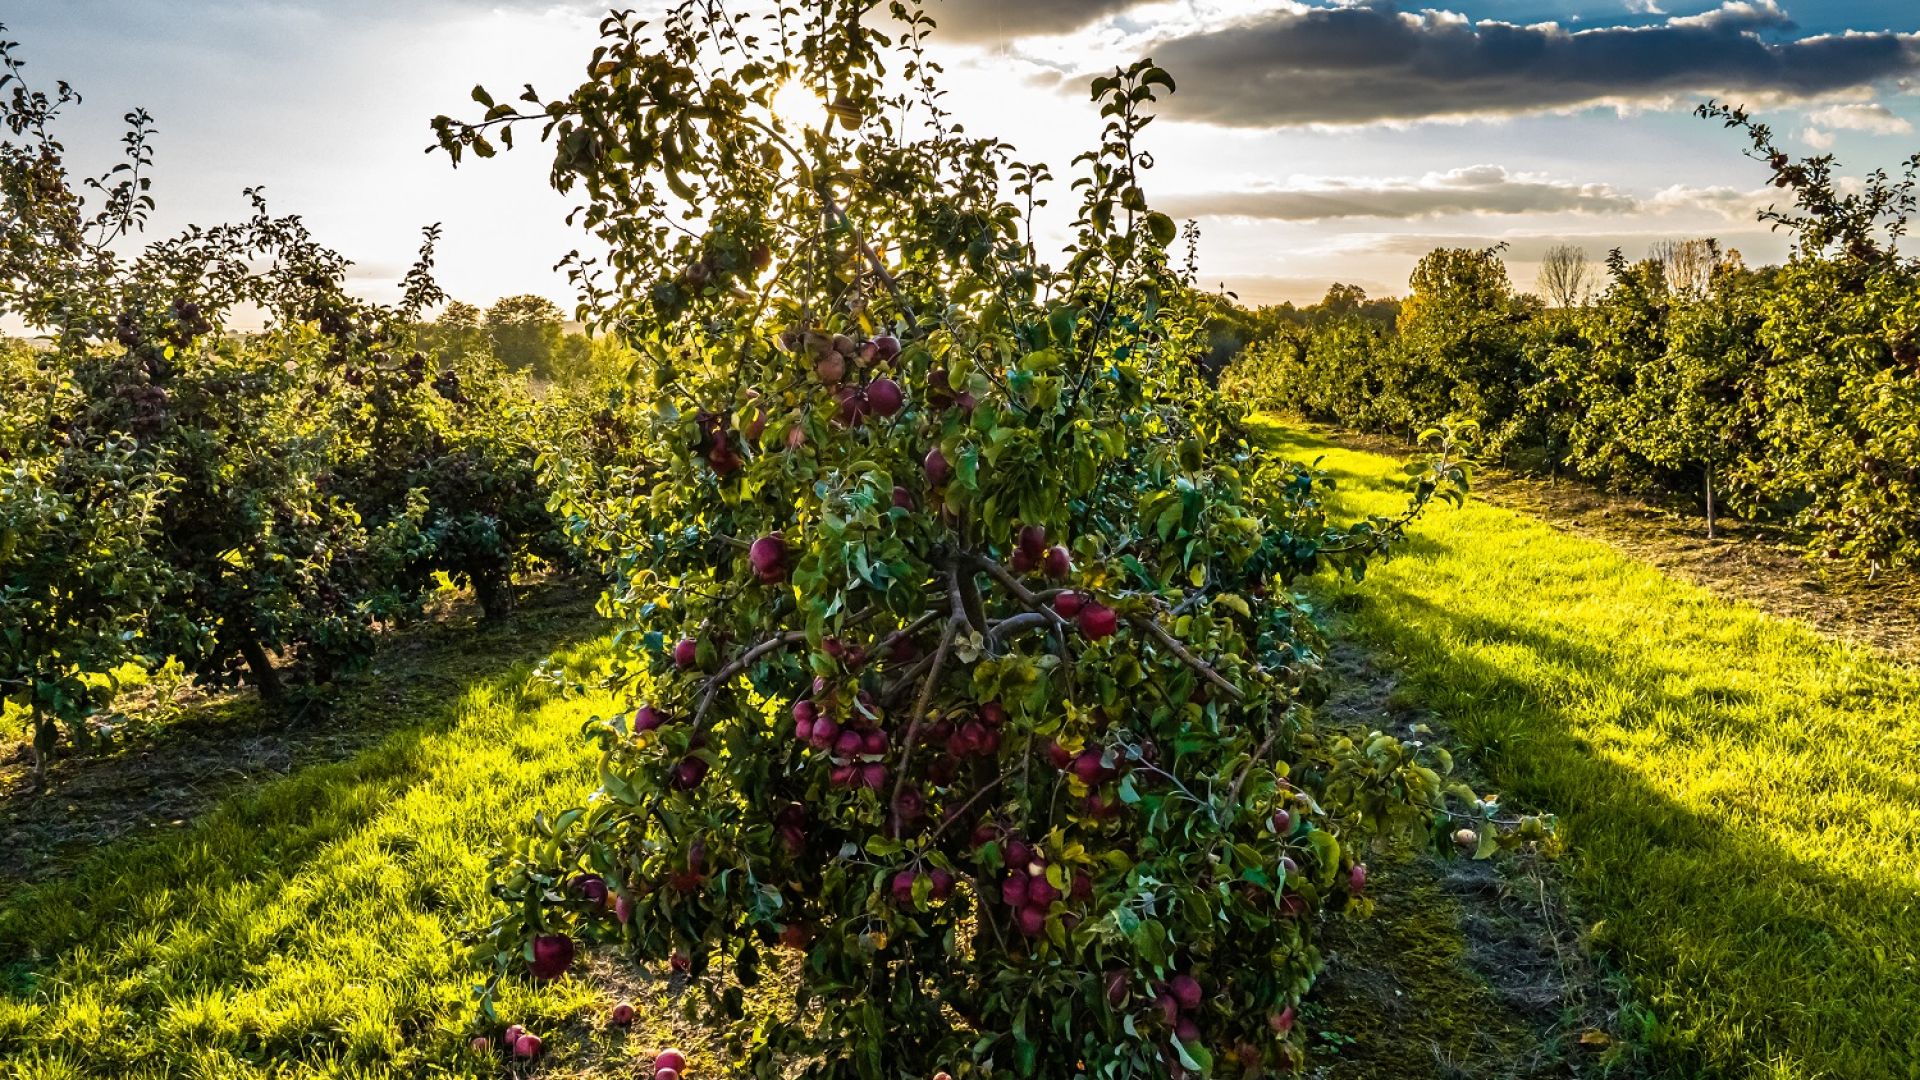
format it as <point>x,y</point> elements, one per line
<point>527,333</point>
<point>1688,265</point>
<point>458,333</point>
<point>1566,277</point>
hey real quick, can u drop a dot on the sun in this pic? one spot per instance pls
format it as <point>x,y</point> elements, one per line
<point>796,105</point>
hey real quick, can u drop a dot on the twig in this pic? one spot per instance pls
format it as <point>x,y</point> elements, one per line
<point>1027,597</point>
<point>1173,645</point>
<point>954,622</point>
<point>740,664</point>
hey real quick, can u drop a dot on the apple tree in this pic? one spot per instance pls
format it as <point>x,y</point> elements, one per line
<point>967,686</point>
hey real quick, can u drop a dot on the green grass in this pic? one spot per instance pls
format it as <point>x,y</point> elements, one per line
<point>308,926</point>
<point>1740,796</point>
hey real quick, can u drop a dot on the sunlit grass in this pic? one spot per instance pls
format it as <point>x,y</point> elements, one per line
<point>1740,796</point>
<point>310,926</point>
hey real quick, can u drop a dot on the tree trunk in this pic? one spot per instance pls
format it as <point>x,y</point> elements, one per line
<point>1709,488</point>
<point>265,678</point>
<point>495,593</point>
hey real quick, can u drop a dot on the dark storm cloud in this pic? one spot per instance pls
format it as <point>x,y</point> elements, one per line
<point>1353,65</point>
<point>1482,189</point>
<point>1001,20</point>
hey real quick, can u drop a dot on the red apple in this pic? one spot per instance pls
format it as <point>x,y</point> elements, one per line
<point>1032,921</point>
<point>903,887</point>
<point>1014,891</point>
<point>646,718</point>
<point>942,883</point>
<point>873,775</point>
<point>1033,541</point>
<point>1058,563</point>
<point>1357,878</point>
<point>936,467</point>
<point>623,909</point>
<point>1187,1031</point>
<point>768,557</point>
<point>552,955</point>
<point>670,1058</point>
<point>1088,767</point>
<point>688,774</point>
<point>1118,982</point>
<point>481,1044</point>
<point>1169,1008</point>
<point>1068,604</point>
<point>1186,990</point>
<point>1058,756</point>
<point>686,652</point>
<point>1098,621</point>
<point>902,498</point>
<point>622,1014</point>
<point>884,397</point>
<point>885,347</point>
<point>1283,821</point>
<point>512,1035</point>
<point>527,1047</point>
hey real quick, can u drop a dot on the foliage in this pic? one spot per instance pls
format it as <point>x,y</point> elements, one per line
<point>177,487</point>
<point>1792,392</point>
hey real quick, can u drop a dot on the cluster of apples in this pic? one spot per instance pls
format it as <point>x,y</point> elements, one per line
<point>1025,888</point>
<point>1090,767</point>
<point>940,884</point>
<point>516,1042</point>
<point>834,357</point>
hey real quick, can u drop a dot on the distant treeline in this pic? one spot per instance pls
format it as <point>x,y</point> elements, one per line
<point>1786,392</point>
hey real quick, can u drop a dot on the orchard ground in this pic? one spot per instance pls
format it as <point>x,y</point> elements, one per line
<point>1735,790</point>
<point>1730,788</point>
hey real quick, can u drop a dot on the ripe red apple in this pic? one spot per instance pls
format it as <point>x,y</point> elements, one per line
<point>1186,990</point>
<point>512,1035</point>
<point>680,962</point>
<point>1098,621</point>
<point>622,1014</point>
<point>830,368</point>
<point>1058,563</point>
<point>805,713</point>
<point>1357,878</point>
<point>527,1047</point>
<point>1088,767</point>
<point>1082,888</point>
<point>768,557</point>
<point>1058,756</point>
<point>1068,604</point>
<point>848,744</point>
<point>1014,891</point>
<point>843,775</point>
<point>909,806</point>
<point>884,397</point>
<point>1102,805</point>
<point>687,775</point>
<point>646,718</point>
<point>1283,821</point>
<point>885,347</point>
<point>825,732</point>
<point>481,1044</point>
<point>1040,892</point>
<point>1187,1031</point>
<point>936,467</point>
<point>623,909</point>
<point>1033,541</point>
<point>902,498</point>
<point>1032,921</point>
<point>795,936</point>
<point>1022,563</point>
<point>1282,1021</point>
<point>873,775</point>
<point>591,886</point>
<point>1288,866</point>
<point>903,887</point>
<point>1169,1008</point>
<point>552,955</point>
<point>942,883</point>
<point>993,714</point>
<point>670,1058</point>
<point>666,1074</point>
<point>1018,853</point>
<point>686,653</point>
<point>853,405</point>
<point>1118,982</point>
<point>873,743</point>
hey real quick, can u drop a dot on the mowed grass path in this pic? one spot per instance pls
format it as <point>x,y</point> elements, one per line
<point>309,926</point>
<point>1740,797</point>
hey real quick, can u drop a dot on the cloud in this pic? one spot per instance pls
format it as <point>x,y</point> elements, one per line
<point>1360,64</point>
<point>1873,118</point>
<point>1479,189</point>
<point>1003,20</point>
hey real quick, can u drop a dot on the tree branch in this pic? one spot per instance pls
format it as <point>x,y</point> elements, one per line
<point>739,664</point>
<point>1172,645</point>
<point>955,621</point>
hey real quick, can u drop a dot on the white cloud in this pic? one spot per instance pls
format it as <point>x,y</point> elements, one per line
<point>1873,118</point>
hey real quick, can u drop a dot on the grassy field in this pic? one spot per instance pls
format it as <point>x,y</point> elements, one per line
<point>309,925</point>
<point>1739,794</point>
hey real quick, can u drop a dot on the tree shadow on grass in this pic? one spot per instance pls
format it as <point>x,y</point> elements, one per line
<point>162,778</point>
<point>1756,958</point>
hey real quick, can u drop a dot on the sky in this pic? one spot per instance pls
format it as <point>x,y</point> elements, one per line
<point>1314,141</point>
